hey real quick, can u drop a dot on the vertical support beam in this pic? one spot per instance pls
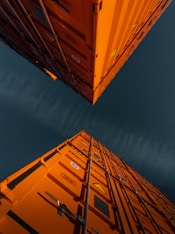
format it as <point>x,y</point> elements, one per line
<point>54,34</point>
<point>149,213</point>
<point>88,188</point>
<point>21,22</point>
<point>133,209</point>
<point>112,190</point>
<point>38,34</point>
<point>123,187</point>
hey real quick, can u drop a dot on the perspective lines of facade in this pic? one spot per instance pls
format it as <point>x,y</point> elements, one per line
<point>84,43</point>
<point>81,187</point>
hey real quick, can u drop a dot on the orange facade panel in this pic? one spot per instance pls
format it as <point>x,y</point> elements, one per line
<point>81,187</point>
<point>90,40</point>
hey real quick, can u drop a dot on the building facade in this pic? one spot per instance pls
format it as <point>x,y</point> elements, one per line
<point>84,43</point>
<point>81,187</point>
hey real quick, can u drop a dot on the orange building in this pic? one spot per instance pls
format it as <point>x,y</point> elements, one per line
<point>80,186</point>
<point>83,43</point>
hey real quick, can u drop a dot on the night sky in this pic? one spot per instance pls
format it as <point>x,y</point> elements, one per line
<point>134,117</point>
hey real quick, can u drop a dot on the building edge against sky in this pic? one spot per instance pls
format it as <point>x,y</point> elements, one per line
<point>83,43</point>
<point>80,186</point>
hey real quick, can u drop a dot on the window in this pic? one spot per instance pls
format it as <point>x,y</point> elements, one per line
<point>39,14</point>
<point>101,205</point>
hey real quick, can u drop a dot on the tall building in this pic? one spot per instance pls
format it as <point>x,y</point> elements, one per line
<point>80,186</point>
<point>84,43</point>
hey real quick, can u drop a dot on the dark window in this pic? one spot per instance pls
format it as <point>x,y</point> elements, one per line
<point>39,14</point>
<point>101,205</point>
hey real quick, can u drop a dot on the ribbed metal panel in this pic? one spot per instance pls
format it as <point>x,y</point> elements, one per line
<point>84,43</point>
<point>80,186</point>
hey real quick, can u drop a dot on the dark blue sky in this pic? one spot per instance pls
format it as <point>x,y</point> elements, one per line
<point>135,116</point>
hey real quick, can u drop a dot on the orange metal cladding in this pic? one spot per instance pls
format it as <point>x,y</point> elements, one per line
<point>84,43</point>
<point>81,187</point>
